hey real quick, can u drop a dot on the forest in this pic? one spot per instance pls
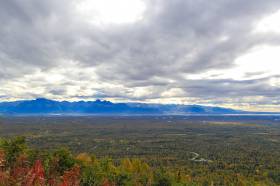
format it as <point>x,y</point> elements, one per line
<point>21,165</point>
<point>159,150</point>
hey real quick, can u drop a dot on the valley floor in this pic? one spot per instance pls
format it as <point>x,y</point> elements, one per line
<point>205,150</point>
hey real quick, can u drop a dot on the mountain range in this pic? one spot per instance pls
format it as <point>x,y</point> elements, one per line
<point>42,106</point>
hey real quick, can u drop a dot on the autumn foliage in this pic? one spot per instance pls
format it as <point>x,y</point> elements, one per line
<point>22,166</point>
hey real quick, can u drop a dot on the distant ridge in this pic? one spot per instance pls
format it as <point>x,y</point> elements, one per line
<point>42,106</point>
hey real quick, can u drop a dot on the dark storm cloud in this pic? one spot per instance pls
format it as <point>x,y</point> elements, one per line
<point>175,38</point>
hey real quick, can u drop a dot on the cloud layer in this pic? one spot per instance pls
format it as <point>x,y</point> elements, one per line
<point>181,51</point>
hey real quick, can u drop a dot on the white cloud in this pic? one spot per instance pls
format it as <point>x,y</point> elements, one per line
<point>260,59</point>
<point>270,23</point>
<point>104,12</point>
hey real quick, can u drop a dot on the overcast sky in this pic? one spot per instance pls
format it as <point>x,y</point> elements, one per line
<point>222,52</point>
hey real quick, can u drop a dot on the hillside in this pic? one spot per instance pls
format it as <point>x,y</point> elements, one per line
<point>98,107</point>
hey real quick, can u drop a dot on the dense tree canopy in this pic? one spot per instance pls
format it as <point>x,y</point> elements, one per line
<point>21,165</point>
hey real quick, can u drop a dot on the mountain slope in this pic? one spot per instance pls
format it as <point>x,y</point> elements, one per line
<point>45,106</point>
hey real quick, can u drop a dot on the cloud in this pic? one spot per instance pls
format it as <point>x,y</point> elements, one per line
<point>47,49</point>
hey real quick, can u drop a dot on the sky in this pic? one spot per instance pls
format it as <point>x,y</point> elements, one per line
<point>221,53</point>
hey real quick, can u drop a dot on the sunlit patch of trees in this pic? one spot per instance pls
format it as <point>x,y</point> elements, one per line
<point>23,166</point>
